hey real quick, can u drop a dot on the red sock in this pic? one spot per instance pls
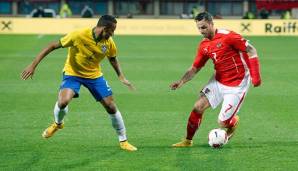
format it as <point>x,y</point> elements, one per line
<point>193,124</point>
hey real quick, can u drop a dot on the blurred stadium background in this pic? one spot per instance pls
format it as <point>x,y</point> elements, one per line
<point>155,116</point>
<point>152,8</point>
<point>161,17</point>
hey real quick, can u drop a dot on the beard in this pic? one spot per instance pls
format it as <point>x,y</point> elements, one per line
<point>205,35</point>
<point>105,36</point>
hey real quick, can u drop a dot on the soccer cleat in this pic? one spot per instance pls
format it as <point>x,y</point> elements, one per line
<point>51,130</point>
<point>125,145</point>
<point>231,130</point>
<point>183,143</point>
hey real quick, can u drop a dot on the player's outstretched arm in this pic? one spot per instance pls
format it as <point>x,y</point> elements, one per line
<point>254,65</point>
<point>189,74</point>
<point>29,70</point>
<point>115,64</point>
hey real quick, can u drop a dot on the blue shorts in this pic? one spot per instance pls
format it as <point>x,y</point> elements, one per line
<point>98,87</point>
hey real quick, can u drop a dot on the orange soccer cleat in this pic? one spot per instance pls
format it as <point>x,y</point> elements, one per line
<point>125,145</point>
<point>231,130</point>
<point>184,143</point>
<point>52,129</point>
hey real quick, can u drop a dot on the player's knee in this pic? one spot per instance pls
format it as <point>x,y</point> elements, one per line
<point>63,103</point>
<point>111,109</point>
<point>201,105</point>
<point>199,108</point>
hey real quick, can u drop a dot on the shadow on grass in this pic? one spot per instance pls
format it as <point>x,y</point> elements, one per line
<point>264,144</point>
<point>231,145</point>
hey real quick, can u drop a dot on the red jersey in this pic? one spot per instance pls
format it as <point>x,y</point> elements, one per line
<point>227,49</point>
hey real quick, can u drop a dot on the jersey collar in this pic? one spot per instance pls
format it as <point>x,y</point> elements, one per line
<point>94,36</point>
<point>215,34</point>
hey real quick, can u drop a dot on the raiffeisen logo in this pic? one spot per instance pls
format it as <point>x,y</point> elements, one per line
<point>286,27</point>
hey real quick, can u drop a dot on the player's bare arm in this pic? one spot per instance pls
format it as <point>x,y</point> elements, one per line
<point>189,74</point>
<point>29,70</point>
<point>115,64</point>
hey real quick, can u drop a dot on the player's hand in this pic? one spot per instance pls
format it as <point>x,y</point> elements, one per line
<point>28,72</point>
<point>126,82</point>
<point>176,85</point>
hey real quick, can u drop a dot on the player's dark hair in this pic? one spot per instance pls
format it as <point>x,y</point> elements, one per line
<point>204,16</point>
<point>106,20</point>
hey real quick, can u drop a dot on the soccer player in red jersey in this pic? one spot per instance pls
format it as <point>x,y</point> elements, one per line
<point>235,62</point>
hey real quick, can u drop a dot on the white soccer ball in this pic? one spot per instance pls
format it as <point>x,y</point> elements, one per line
<point>217,138</point>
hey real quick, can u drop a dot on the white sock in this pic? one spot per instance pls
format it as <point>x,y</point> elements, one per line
<point>118,124</point>
<point>59,113</point>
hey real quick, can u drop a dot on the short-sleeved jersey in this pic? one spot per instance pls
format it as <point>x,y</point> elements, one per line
<point>85,53</point>
<point>227,49</point>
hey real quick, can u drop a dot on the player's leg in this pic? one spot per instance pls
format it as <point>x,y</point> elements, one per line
<point>68,89</point>
<point>61,106</point>
<point>228,117</point>
<point>60,110</point>
<point>195,118</point>
<point>233,123</point>
<point>210,97</point>
<point>117,123</point>
<point>115,116</point>
<point>103,93</point>
<point>194,121</point>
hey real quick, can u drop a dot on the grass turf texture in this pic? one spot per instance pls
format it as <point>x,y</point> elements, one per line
<point>155,117</point>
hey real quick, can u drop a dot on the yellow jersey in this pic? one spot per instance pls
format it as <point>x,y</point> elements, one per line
<point>85,53</point>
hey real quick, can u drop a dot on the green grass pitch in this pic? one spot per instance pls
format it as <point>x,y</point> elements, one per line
<point>155,117</point>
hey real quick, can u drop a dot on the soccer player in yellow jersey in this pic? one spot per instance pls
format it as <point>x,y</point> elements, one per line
<point>86,49</point>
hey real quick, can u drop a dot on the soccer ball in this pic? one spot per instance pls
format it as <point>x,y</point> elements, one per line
<point>217,138</point>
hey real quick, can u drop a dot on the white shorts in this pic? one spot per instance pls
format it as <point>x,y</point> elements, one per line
<point>231,97</point>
